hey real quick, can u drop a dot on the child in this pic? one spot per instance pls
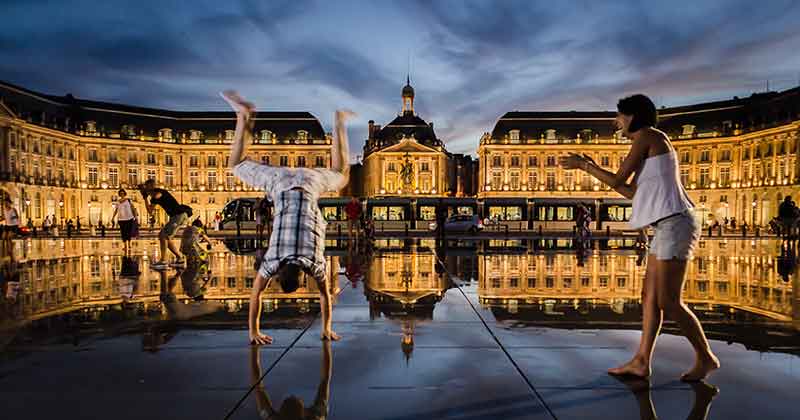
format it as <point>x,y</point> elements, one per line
<point>297,241</point>
<point>196,260</point>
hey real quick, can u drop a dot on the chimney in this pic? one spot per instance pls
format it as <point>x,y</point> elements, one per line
<point>431,125</point>
<point>371,129</point>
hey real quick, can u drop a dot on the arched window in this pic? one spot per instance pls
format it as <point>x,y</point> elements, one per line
<point>265,136</point>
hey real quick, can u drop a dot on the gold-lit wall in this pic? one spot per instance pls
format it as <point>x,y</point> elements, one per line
<point>67,175</point>
<point>740,175</point>
<point>405,277</point>
<point>383,172</point>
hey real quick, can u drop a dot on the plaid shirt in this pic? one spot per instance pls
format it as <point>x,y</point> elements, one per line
<point>298,227</point>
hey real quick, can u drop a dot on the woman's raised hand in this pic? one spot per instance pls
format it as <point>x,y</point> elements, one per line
<point>238,103</point>
<point>571,161</point>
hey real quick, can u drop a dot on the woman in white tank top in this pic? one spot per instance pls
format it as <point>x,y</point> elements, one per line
<point>660,201</point>
<point>127,216</point>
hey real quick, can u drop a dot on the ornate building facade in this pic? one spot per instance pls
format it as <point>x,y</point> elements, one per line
<point>739,157</point>
<point>67,157</point>
<point>406,159</point>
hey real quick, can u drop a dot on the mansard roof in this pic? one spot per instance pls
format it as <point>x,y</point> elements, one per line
<point>67,113</point>
<point>759,111</point>
<point>406,126</point>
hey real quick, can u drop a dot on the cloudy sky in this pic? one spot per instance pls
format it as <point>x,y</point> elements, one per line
<point>470,61</point>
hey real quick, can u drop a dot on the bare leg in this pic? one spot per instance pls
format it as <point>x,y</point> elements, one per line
<point>327,310</point>
<point>672,275</point>
<point>174,249</point>
<point>652,317</point>
<point>162,245</point>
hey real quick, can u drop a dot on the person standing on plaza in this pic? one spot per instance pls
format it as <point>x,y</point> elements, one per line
<point>10,220</point>
<point>178,215</point>
<point>353,211</point>
<point>217,221</point>
<point>77,225</point>
<point>261,216</point>
<point>127,217</point>
<point>297,243</point>
<point>659,200</point>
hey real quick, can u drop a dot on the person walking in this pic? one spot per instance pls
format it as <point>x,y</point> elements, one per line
<point>660,201</point>
<point>127,218</point>
<point>353,212</point>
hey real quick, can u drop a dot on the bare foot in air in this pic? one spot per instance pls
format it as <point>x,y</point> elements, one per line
<point>636,367</point>
<point>237,102</point>
<point>330,335</point>
<point>702,367</point>
<point>259,339</point>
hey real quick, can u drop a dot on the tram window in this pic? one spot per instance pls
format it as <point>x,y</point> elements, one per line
<point>465,210</point>
<point>551,213</point>
<point>619,213</point>
<point>330,213</point>
<point>388,213</point>
<point>427,212</point>
<point>396,213</point>
<point>505,213</point>
<point>564,213</point>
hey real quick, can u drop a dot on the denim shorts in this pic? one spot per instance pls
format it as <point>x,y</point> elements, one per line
<point>675,237</point>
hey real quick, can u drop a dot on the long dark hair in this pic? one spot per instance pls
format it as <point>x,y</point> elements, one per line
<point>641,108</point>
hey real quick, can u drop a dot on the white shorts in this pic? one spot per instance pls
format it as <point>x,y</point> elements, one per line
<point>676,237</point>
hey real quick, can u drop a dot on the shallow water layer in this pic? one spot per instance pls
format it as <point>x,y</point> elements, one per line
<point>465,330</point>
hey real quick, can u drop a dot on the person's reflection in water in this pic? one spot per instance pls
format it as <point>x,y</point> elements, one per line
<point>704,393</point>
<point>641,247</point>
<point>129,274</point>
<point>293,408</point>
<point>160,333</point>
<point>787,260</point>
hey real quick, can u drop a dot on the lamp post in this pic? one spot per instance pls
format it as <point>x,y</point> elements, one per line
<point>27,207</point>
<point>753,217</point>
<point>61,212</point>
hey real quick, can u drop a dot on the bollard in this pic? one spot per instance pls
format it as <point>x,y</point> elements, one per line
<point>608,231</point>
<point>406,228</point>
<point>540,230</point>
<point>506,226</point>
<point>758,231</point>
<point>744,231</point>
<point>339,230</point>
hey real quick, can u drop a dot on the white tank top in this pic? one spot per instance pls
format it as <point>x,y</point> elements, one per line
<point>659,191</point>
<point>125,212</point>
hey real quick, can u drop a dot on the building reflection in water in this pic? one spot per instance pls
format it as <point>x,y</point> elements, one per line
<point>730,282</point>
<point>63,276</point>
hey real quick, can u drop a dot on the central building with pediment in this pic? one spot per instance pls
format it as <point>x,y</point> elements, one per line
<point>406,159</point>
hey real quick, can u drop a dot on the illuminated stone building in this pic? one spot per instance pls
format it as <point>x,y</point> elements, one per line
<point>67,157</point>
<point>738,157</point>
<point>406,159</point>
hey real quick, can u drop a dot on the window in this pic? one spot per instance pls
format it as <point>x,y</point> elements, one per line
<point>151,174</point>
<point>531,282</point>
<point>603,282</point>
<point>514,178</point>
<point>550,134</point>
<point>93,155</point>
<point>113,176</point>
<point>390,167</point>
<point>532,179</point>
<point>622,281</point>
<point>549,282</point>
<point>497,180</point>
<point>497,161</point>
<point>91,127</point>
<point>133,177</point>
<point>427,212</point>
<point>685,177</point>
<point>569,179</point>
<point>133,158</point>
<point>168,161</point>
<point>724,176</point>
<point>265,159</point>
<point>284,160</point>
<point>319,162</point>
<point>514,136</point>
<point>725,156</point>
<point>169,178</point>
<point>151,158</point>
<point>551,181</point>
<point>229,135</point>
<point>93,177</point>
<point>551,161</point>
<point>212,179</point>
<point>388,213</point>
<point>515,161</point>
<point>195,135</point>
<point>165,134</point>
<point>229,180</point>
<point>505,212</point>
<point>688,129</point>
<point>586,281</point>
<point>605,161</point>
<point>211,161</point>
<point>112,156</point>
<point>301,161</point>
<point>705,156</point>
<point>619,213</point>
<point>194,179</point>
<point>424,167</point>
<point>265,136</point>
<point>704,178</point>
<point>194,161</point>
<point>302,136</point>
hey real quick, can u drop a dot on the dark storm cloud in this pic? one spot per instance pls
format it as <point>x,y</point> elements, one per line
<point>471,61</point>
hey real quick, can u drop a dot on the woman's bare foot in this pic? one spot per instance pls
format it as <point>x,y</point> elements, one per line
<point>704,392</point>
<point>702,367</point>
<point>636,367</point>
<point>330,335</point>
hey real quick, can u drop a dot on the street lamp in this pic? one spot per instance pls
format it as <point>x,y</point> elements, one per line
<point>753,218</point>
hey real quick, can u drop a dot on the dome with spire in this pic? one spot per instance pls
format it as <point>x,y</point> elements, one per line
<point>408,91</point>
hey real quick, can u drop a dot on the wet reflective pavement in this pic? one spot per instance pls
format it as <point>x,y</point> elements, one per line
<point>475,330</point>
